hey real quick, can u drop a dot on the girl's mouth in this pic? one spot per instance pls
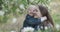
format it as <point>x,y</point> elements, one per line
<point>34,14</point>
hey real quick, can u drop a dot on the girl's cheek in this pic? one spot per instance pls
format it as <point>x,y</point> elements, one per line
<point>30,12</point>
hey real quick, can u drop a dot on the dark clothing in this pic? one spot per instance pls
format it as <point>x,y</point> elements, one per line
<point>30,21</point>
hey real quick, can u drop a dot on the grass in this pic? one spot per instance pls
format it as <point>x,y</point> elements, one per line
<point>55,16</point>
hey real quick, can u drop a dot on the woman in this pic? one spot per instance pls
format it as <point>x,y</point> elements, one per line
<point>33,18</point>
<point>44,12</point>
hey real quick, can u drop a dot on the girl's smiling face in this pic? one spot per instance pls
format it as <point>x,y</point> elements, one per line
<point>34,11</point>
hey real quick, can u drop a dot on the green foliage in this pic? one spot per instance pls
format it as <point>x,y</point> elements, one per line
<point>13,7</point>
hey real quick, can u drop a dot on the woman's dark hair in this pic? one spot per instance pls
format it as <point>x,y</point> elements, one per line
<point>44,12</point>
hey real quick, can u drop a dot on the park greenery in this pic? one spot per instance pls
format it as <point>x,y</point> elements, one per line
<point>15,8</point>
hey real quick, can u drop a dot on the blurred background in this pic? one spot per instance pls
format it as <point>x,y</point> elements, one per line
<point>13,12</point>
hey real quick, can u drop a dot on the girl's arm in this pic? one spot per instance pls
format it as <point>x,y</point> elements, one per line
<point>34,21</point>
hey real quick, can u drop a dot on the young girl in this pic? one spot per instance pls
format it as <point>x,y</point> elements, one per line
<point>33,18</point>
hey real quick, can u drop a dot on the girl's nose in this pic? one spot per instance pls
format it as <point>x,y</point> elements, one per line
<point>34,12</point>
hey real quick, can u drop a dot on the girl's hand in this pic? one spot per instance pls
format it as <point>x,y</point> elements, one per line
<point>43,18</point>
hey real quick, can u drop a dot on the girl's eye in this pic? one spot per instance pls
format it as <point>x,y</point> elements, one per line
<point>35,10</point>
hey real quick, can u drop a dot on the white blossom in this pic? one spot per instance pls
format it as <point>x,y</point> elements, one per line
<point>27,29</point>
<point>14,20</point>
<point>41,27</point>
<point>13,31</point>
<point>22,6</point>
<point>46,27</point>
<point>2,13</point>
<point>57,26</point>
